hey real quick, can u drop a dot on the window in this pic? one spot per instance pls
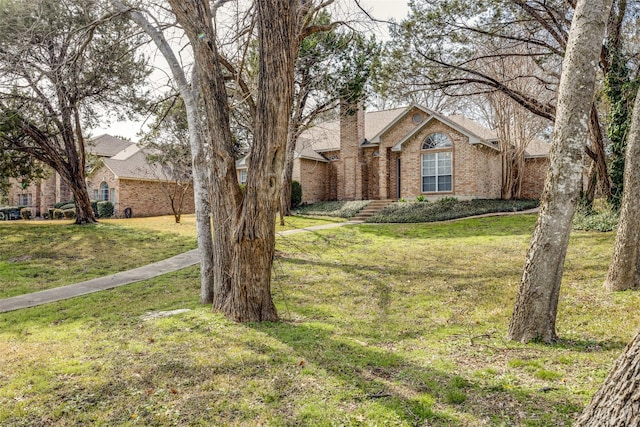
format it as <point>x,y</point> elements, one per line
<point>95,195</point>
<point>243,176</point>
<point>437,168</point>
<point>436,140</point>
<point>24,200</point>
<point>112,195</point>
<point>104,191</point>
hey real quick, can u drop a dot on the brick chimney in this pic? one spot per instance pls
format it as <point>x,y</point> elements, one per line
<point>351,137</point>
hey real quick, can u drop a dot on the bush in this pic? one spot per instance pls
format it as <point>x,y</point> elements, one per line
<point>447,208</point>
<point>606,220</point>
<point>10,212</point>
<point>69,213</point>
<point>421,198</point>
<point>26,213</point>
<point>50,211</point>
<point>105,209</point>
<point>58,214</point>
<point>296,194</point>
<point>66,206</point>
<point>59,205</point>
<point>94,207</point>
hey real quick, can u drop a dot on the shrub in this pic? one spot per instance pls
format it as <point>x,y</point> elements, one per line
<point>26,213</point>
<point>606,220</point>
<point>296,194</point>
<point>58,214</point>
<point>59,205</point>
<point>51,210</point>
<point>338,209</point>
<point>447,208</point>
<point>105,209</point>
<point>69,213</point>
<point>421,198</point>
<point>94,207</point>
<point>68,206</point>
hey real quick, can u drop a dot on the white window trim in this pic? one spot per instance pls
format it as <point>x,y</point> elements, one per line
<point>437,175</point>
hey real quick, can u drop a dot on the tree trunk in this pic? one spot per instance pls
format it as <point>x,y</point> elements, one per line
<point>84,211</point>
<point>287,177</point>
<point>617,402</point>
<point>598,155</point>
<point>536,305</point>
<point>244,224</point>
<point>254,235</point>
<point>624,268</point>
<point>198,154</point>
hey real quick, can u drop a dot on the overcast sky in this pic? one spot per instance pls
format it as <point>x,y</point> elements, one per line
<point>378,9</point>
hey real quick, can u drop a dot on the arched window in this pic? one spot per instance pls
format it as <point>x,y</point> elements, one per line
<point>436,140</point>
<point>104,191</point>
<point>437,170</point>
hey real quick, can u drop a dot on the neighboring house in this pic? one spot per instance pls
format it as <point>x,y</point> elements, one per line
<point>119,173</point>
<point>404,153</point>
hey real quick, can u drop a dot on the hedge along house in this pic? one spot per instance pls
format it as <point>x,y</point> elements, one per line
<point>404,153</point>
<point>119,172</point>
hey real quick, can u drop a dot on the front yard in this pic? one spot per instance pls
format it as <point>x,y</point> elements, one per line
<point>399,324</point>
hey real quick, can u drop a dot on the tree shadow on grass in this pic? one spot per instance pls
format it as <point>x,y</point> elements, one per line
<point>408,392</point>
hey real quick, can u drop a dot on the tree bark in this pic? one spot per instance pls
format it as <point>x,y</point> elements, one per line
<point>624,268</point>
<point>617,402</point>
<point>534,315</point>
<point>198,152</point>
<point>287,177</point>
<point>254,236</point>
<point>244,224</point>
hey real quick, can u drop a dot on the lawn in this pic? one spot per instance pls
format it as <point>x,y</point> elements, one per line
<point>38,255</point>
<point>382,325</point>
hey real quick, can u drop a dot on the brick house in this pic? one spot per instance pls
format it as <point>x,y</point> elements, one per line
<point>404,153</point>
<point>120,173</point>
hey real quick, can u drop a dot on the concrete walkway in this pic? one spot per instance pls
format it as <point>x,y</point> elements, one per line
<point>150,271</point>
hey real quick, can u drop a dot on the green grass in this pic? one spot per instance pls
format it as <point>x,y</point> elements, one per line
<point>395,324</point>
<point>38,255</point>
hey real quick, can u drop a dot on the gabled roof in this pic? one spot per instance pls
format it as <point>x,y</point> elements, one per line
<point>134,166</point>
<point>326,135</point>
<point>537,148</point>
<point>476,133</point>
<point>401,113</point>
<point>107,145</point>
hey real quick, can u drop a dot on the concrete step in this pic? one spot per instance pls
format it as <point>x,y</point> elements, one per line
<point>372,208</point>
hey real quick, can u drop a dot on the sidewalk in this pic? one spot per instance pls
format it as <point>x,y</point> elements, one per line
<point>150,271</point>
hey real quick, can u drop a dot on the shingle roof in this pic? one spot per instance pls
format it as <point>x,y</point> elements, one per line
<point>107,145</point>
<point>134,166</point>
<point>326,135</point>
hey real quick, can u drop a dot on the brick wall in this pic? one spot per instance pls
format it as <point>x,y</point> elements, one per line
<point>535,171</point>
<point>311,175</point>
<point>351,160</point>
<point>145,198</point>
<point>476,168</point>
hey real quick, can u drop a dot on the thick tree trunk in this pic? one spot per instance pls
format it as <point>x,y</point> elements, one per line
<point>254,235</point>
<point>536,305</point>
<point>624,268</point>
<point>198,154</point>
<point>617,402</point>
<point>84,211</point>
<point>244,224</point>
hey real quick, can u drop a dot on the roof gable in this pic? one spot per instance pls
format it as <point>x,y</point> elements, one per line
<point>475,132</point>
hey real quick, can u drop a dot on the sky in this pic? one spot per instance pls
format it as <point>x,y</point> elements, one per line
<point>378,9</point>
